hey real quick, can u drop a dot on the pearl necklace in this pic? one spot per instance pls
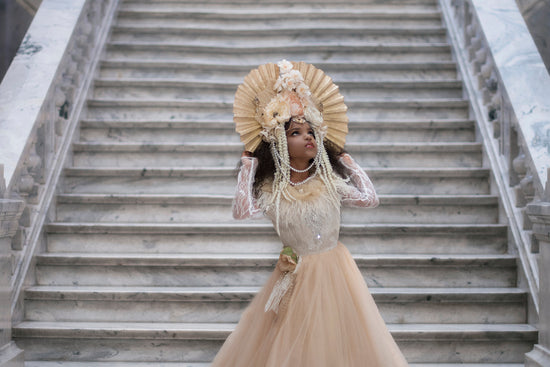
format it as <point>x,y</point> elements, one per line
<point>304,181</point>
<point>315,160</point>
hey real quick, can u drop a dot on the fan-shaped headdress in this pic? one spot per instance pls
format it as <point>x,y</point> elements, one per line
<point>273,93</point>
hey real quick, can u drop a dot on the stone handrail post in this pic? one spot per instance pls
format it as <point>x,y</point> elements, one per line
<point>10,212</point>
<point>508,86</point>
<point>539,213</point>
<point>41,98</point>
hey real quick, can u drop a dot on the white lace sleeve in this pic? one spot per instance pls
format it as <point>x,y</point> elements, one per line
<point>244,204</point>
<point>362,193</point>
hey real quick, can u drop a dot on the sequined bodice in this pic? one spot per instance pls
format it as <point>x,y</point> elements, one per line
<point>310,223</point>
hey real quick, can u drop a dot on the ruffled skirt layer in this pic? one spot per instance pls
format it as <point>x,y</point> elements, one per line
<point>329,320</point>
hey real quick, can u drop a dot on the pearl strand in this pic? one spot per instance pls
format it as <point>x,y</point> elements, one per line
<point>304,181</point>
<point>315,160</point>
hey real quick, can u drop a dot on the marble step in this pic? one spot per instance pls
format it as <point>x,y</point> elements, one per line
<point>219,110</point>
<point>240,34</point>
<point>375,155</point>
<point>165,270</point>
<point>220,180</point>
<point>226,304</point>
<point>235,72</point>
<point>239,3</point>
<point>198,342</point>
<point>251,237</point>
<point>140,364</point>
<point>280,15</point>
<point>258,17</point>
<point>262,53</point>
<point>278,5</point>
<point>174,89</point>
<point>184,364</point>
<point>166,208</point>
<point>103,131</point>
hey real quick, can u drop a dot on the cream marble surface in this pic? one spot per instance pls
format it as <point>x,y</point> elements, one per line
<point>30,76</point>
<point>523,73</point>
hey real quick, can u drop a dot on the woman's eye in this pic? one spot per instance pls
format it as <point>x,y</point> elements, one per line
<point>294,133</point>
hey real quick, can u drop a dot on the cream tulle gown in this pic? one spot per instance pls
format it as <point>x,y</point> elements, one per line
<point>328,318</point>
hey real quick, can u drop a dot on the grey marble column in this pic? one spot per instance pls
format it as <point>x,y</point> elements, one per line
<point>539,213</point>
<point>10,211</point>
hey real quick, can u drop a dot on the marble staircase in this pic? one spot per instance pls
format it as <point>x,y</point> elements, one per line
<point>144,265</point>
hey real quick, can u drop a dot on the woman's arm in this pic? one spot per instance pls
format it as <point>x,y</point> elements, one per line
<point>244,204</point>
<point>362,193</point>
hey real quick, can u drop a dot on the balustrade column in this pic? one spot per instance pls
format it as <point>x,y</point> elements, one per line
<point>539,213</point>
<point>10,212</point>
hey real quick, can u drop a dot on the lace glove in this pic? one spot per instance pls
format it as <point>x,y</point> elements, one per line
<point>362,193</point>
<point>244,204</point>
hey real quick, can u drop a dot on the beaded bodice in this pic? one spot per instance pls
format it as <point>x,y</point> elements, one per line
<point>309,221</point>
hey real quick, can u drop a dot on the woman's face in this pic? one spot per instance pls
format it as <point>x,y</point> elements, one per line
<point>301,142</point>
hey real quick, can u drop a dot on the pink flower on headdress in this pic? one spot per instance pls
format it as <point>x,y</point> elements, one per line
<point>296,107</point>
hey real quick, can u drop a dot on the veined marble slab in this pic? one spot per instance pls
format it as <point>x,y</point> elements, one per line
<point>30,76</point>
<point>524,75</point>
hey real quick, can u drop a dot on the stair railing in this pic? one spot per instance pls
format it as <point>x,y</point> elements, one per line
<point>509,89</point>
<point>41,99</point>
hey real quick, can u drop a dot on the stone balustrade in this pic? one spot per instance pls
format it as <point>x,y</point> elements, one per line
<point>508,85</point>
<point>41,98</point>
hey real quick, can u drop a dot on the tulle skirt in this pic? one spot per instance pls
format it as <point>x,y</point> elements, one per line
<point>329,320</point>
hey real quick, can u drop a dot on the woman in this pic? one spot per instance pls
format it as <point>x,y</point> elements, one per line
<point>315,309</point>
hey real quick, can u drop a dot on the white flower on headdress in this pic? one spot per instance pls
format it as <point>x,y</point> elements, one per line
<point>276,112</point>
<point>295,75</point>
<point>284,66</point>
<point>313,116</point>
<point>303,90</point>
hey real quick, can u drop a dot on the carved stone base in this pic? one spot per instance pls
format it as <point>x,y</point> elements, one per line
<point>538,357</point>
<point>11,356</point>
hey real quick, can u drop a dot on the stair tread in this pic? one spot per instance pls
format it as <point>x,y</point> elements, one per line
<point>251,228</point>
<point>184,260</point>
<point>182,102</point>
<point>330,12</point>
<point>130,364</point>
<point>229,171</point>
<point>282,29</point>
<point>310,46</point>
<point>221,330</point>
<point>245,67</point>
<point>230,125</point>
<point>129,293</point>
<point>226,200</point>
<point>180,82</point>
<point>198,364</point>
<point>237,147</point>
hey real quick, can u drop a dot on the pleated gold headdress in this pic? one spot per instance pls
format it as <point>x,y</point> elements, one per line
<point>273,93</point>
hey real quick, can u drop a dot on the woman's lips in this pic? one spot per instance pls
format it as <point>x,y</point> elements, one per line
<point>309,145</point>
